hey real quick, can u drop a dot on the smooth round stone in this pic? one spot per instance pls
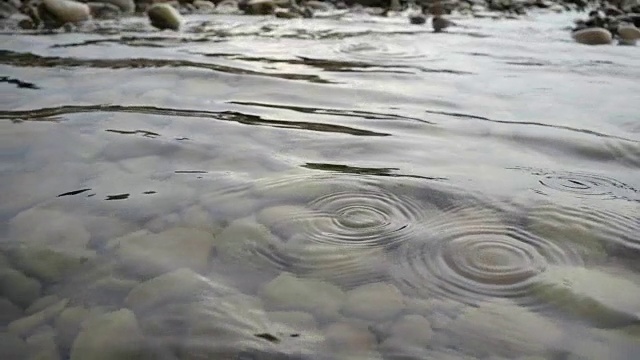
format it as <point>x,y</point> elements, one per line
<point>181,283</point>
<point>69,323</point>
<point>67,11</point>
<point>377,302</point>
<point>57,230</point>
<point>45,264</point>
<point>42,344</point>
<point>164,16</point>
<point>349,338</point>
<point>413,329</point>
<point>26,325</point>
<point>41,304</point>
<point>8,312</point>
<point>592,36</point>
<point>126,6</point>
<point>19,288</point>
<point>239,239</point>
<point>153,254</point>
<point>12,347</point>
<point>288,292</point>
<point>603,297</point>
<point>111,336</point>
<point>505,329</point>
<point>628,34</point>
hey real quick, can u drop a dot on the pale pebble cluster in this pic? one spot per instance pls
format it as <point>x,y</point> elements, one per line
<point>72,289</point>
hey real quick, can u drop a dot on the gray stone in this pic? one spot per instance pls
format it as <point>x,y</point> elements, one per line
<point>178,284</point>
<point>287,292</point>
<point>378,301</point>
<point>111,336</point>
<point>151,254</point>
<point>604,296</point>
<point>41,304</point>
<point>241,240</point>
<point>164,16</point>
<point>8,312</point>
<point>42,344</point>
<point>45,264</point>
<point>25,326</point>
<point>69,323</point>
<point>19,288</point>
<point>12,347</point>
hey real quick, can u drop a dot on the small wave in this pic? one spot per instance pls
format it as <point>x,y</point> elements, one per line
<point>470,254</point>
<point>378,51</point>
<point>583,184</point>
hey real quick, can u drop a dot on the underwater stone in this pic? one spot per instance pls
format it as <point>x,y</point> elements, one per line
<point>8,312</point>
<point>287,292</point>
<point>45,264</point>
<point>69,323</point>
<point>152,254</point>
<point>41,304</point>
<point>239,240</point>
<point>602,297</point>
<point>413,329</point>
<point>111,336</point>
<point>379,301</point>
<point>27,325</point>
<point>42,344</point>
<point>181,283</point>
<point>503,328</point>
<point>164,16</point>
<point>351,339</point>
<point>19,288</point>
<point>60,231</point>
<point>12,347</point>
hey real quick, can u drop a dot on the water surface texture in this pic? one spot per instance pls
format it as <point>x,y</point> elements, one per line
<point>349,188</point>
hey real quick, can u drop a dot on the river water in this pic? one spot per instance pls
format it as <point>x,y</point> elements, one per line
<point>338,188</point>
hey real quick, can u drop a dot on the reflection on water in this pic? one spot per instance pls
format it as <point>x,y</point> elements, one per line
<point>340,188</point>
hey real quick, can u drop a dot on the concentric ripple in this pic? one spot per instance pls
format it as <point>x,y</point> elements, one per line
<point>588,185</point>
<point>472,255</point>
<point>364,217</point>
<point>378,51</point>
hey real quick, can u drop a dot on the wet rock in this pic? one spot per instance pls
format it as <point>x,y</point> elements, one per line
<point>42,344</point>
<point>12,347</point>
<point>227,7</point>
<point>628,34</point>
<point>198,218</point>
<point>286,14</point>
<point>439,23</point>
<point>151,254</point>
<point>413,330</point>
<point>164,16</point>
<point>44,264</point>
<point>350,339</point>
<point>241,241</point>
<point>592,36</point>
<point>125,6</point>
<point>41,304</point>
<point>68,325</point>
<point>60,12</point>
<point>8,8</point>
<point>8,312</point>
<point>57,230</point>
<point>377,302</point>
<point>259,7</point>
<point>417,19</point>
<point>19,288</point>
<point>204,7</point>
<point>109,290</point>
<point>287,292</point>
<point>104,11</point>
<point>178,284</point>
<point>503,328</point>
<point>111,336</point>
<point>25,326</point>
<point>604,297</point>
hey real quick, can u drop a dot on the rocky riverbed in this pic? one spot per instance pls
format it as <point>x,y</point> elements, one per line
<point>606,20</point>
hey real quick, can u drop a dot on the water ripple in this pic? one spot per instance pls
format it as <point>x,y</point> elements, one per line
<point>472,255</point>
<point>587,185</point>
<point>378,51</point>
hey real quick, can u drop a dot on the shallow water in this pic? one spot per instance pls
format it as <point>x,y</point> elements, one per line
<point>257,188</point>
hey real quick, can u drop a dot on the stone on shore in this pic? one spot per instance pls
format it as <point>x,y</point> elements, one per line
<point>66,11</point>
<point>164,16</point>
<point>592,36</point>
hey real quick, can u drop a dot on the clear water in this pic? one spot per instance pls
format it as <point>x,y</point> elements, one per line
<point>352,188</point>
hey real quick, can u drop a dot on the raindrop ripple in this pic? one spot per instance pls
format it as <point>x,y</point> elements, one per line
<point>471,255</point>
